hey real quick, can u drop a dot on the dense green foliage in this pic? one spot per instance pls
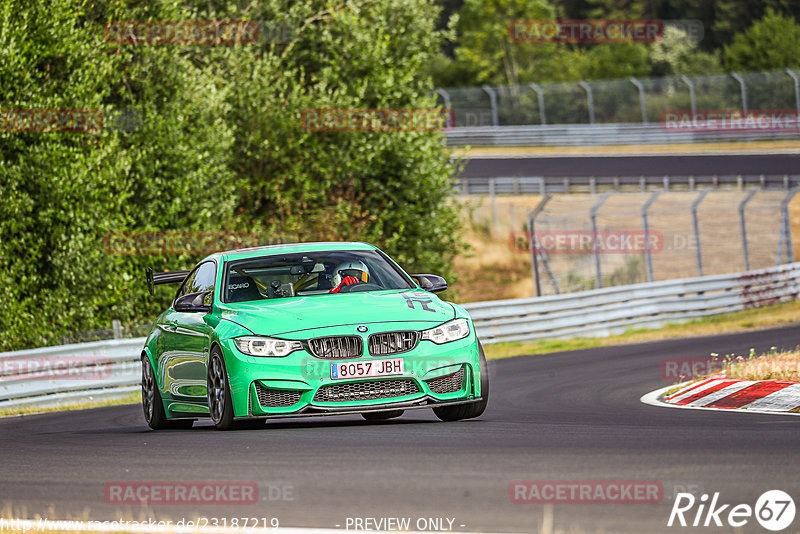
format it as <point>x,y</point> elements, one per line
<point>738,35</point>
<point>217,145</point>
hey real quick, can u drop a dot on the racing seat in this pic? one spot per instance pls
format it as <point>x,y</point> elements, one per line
<point>242,288</point>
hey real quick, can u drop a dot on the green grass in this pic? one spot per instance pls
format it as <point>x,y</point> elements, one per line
<point>132,398</point>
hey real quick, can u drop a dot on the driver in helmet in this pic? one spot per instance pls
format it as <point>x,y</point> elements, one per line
<point>349,273</point>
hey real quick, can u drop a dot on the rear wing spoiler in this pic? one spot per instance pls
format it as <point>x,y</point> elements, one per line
<point>171,277</point>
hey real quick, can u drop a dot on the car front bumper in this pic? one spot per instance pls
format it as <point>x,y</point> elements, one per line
<point>302,376</point>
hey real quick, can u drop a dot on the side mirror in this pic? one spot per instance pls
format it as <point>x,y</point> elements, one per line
<point>430,282</point>
<point>194,302</point>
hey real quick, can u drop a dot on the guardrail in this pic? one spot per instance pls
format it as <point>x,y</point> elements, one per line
<point>600,135</point>
<point>603,312</point>
<point>539,185</point>
<point>103,370</point>
<point>49,376</point>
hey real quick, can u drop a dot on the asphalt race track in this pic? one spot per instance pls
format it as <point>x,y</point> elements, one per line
<point>617,165</point>
<point>566,416</point>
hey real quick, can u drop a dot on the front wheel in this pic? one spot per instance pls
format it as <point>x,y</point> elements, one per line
<point>220,405</point>
<point>473,409</point>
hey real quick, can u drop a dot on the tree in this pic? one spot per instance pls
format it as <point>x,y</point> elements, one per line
<point>615,60</point>
<point>732,17</point>
<point>220,146</point>
<point>771,43</point>
<point>390,188</point>
<point>487,53</point>
<point>677,54</point>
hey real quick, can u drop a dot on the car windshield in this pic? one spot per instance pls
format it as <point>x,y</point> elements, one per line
<point>310,273</point>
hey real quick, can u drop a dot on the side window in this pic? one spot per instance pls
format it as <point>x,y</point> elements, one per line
<point>200,280</point>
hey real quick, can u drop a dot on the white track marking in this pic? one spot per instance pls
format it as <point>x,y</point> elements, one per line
<point>694,391</point>
<point>722,393</point>
<point>781,400</point>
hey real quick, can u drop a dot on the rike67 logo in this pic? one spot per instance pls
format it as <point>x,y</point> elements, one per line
<point>774,510</point>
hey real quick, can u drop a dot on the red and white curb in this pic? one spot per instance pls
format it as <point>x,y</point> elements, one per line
<point>777,397</point>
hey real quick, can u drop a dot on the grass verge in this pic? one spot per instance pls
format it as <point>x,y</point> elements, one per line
<point>132,398</point>
<point>773,365</point>
<point>625,149</point>
<point>743,321</point>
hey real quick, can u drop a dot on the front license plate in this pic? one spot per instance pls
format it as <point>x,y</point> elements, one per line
<point>341,370</point>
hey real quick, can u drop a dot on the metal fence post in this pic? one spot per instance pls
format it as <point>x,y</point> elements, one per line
<point>696,224</point>
<point>786,229</point>
<point>642,103</point>
<point>116,327</point>
<point>692,99</point>
<point>493,101</point>
<point>645,223</point>
<point>736,76</point>
<point>589,99</point>
<point>593,216</point>
<point>743,227</point>
<point>793,76</point>
<point>532,242</point>
<point>446,97</point>
<point>493,198</point>
<point>540,98</point>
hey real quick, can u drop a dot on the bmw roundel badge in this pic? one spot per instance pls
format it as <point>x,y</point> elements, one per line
<point>362,328</point>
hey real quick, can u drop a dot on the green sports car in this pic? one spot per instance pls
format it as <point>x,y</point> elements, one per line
<point>308,329</point>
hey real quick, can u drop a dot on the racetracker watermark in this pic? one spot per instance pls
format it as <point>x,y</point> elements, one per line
<point>586,31</point>
<point>680,369</point>
<point>171,243</point>
<point>587,241</point>
<point>51,120</point>
<point>183,32</point>
<point>375,120</point>
<point>730,120</point>
<point>180,493</point>
<point>40,120</point>
<point>54,368</point>
<point>586,492</point>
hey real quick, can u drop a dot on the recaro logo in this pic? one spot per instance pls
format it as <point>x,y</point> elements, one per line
<point>774,510</point>
<point>239,286</point>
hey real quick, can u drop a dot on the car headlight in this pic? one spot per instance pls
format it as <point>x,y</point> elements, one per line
<point>266,346</point>
<point>447,332</point>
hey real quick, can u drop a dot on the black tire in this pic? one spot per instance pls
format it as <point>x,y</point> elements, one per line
<point>473,409</point>
<point>382,416</point>
<point>153,405</point>
<point>220,405</point>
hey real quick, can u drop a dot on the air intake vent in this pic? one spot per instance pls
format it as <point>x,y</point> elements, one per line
<point>447,384</point>
<point>336,347</point>
<point>277,398</point>
<point>388,343</point>
<point>378,389</point>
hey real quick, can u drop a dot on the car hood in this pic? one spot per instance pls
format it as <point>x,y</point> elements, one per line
<point>282,316</point>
